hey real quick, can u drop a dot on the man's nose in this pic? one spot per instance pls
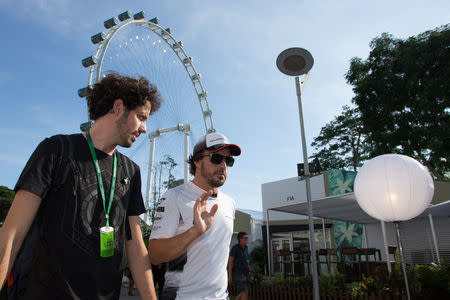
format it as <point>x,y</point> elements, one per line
<point>144,128</point>
<point>223,163</point>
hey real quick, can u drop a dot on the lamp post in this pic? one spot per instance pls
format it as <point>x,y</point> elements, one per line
<point>296,62</point>
<point>394,188</point>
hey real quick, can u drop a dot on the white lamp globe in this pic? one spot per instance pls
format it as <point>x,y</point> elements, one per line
<point>393,187</point>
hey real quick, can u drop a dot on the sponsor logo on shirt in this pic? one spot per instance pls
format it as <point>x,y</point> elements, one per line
<point>161,200</point>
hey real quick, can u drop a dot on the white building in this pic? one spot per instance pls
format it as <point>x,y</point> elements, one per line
<point>334,201</point>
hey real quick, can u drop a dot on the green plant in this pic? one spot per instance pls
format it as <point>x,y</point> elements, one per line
<point>368,286</point>
<point>432,277</point>
<point>278,281</point>
<point>272,281</point>
<point>304,282</point>
<point>256,276</point>
<point>257,262</point>
<point>357,289</point>
<point>330,283</point>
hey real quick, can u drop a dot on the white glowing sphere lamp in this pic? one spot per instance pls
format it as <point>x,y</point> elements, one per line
<point>393,187</point>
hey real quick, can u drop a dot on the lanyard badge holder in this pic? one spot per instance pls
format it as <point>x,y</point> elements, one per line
<point>106,232</point>
<point>106,241</point>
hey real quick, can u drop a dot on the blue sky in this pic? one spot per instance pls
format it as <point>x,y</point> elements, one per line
<point>234,45</point>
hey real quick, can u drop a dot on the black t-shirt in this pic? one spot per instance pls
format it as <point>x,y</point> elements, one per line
<point>67,262</point>
<point>241,259</point>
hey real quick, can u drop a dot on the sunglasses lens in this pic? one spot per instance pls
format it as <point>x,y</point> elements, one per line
<point>229,161</point>
<point>217,159</point>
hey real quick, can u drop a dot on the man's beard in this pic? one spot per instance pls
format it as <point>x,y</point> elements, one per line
<point>211,180</point>
<point>122,128</point>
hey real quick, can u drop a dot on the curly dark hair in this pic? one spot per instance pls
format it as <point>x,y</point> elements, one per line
<point>133,92</point>
<point>196,157</point>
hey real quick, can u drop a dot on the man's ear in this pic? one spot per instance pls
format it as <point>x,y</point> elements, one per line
<point>118,107</point>
<point>197,165</point>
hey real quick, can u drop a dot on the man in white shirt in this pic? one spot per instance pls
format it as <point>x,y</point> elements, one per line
<point>194,223</point>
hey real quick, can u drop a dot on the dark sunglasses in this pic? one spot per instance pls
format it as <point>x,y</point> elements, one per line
<point>217,158</point>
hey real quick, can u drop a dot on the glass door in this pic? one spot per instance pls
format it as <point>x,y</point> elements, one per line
<point>282,244</point>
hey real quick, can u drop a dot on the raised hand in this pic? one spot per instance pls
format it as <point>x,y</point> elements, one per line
<point>202,218</point>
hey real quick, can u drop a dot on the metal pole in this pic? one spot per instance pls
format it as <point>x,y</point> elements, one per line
<point>308,194</point>
<point>186,156</point>
<point>150,178</point>
<point>365,236</point>
<point>383,230</point>
<point>269,252</point>
<point>324,234</point>
<point>400,248</point>
<point>433,233</point>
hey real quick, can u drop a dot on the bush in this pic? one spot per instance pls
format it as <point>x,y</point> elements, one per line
<point>368,286</point>
<point>278,281</point>
<point>422,280</point>
<point>331,283</point>
<point>434,277</point>
<point>257,262</point>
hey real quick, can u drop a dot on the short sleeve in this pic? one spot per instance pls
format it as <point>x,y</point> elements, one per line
<point>136,206</point>
<point>167,217</point>
<point>233,251</point>
<point>37,175</point>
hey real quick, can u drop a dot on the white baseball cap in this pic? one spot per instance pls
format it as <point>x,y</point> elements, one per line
<point>214,142</point>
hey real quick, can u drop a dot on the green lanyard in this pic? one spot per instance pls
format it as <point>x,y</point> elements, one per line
<point>247,259</point>
<point>100,179</point>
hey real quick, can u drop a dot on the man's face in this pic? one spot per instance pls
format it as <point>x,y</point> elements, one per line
<point>243,240</point>
<point>132,123</point>
<point>214,174</point>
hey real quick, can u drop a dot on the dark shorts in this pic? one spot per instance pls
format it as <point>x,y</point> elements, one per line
<point>241,281</point>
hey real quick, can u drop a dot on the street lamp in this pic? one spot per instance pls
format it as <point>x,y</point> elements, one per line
<point>296,62</point>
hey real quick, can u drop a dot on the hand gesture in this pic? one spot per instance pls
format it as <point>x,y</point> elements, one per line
<point>202,218</point>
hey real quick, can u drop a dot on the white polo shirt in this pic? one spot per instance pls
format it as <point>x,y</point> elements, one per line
<point>201,273</point>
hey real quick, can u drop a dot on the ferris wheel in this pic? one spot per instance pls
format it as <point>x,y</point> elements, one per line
<point>134,45</point>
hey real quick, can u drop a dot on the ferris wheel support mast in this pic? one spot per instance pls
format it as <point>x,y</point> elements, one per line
<point>184,128</point>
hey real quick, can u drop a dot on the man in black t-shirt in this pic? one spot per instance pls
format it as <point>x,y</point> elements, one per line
<point>239,266</point>
<point>77,205</point>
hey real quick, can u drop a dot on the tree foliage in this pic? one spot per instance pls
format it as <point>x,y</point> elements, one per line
<point>6,199</point>
<point>163,180</point>
<point>402,91</point>
<point>342,142</point>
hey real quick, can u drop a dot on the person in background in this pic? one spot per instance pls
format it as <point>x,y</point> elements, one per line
<point>159,271</point>
<point>239,266</point>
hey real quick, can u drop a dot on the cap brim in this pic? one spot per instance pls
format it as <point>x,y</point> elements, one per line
<point>234,149</point>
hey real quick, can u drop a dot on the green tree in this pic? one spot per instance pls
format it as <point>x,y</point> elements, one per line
<point>163,180</point>
<point>402,91</point>
<point>342,142</point>
<point>146,231</point>
<point>6,199</point>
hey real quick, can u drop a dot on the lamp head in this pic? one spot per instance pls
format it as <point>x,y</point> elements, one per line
<point>295,61</point>
<point>393,187</point>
